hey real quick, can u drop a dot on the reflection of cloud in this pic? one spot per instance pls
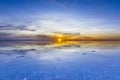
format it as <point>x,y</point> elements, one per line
<point>64,52</point>
<point>18,52</point>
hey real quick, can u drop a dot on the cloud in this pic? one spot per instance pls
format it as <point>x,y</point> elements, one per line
<point>24,37</point>
<point>13,27</point>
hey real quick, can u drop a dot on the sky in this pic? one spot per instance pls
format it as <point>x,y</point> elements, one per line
<point>87,17</point>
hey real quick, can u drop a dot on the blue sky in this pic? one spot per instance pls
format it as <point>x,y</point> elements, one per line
<point>47,16</point>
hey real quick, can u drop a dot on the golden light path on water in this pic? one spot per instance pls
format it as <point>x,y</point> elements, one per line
<point>59,44</point>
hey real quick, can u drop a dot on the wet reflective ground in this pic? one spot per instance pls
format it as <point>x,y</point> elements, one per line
<point>59,61</point>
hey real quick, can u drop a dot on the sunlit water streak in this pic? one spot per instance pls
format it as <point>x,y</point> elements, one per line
<point>60,61</point>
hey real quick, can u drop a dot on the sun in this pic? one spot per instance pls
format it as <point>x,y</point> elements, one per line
<point>59,40</point>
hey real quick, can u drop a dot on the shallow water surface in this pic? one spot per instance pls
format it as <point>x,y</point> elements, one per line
<point>60,61</point>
